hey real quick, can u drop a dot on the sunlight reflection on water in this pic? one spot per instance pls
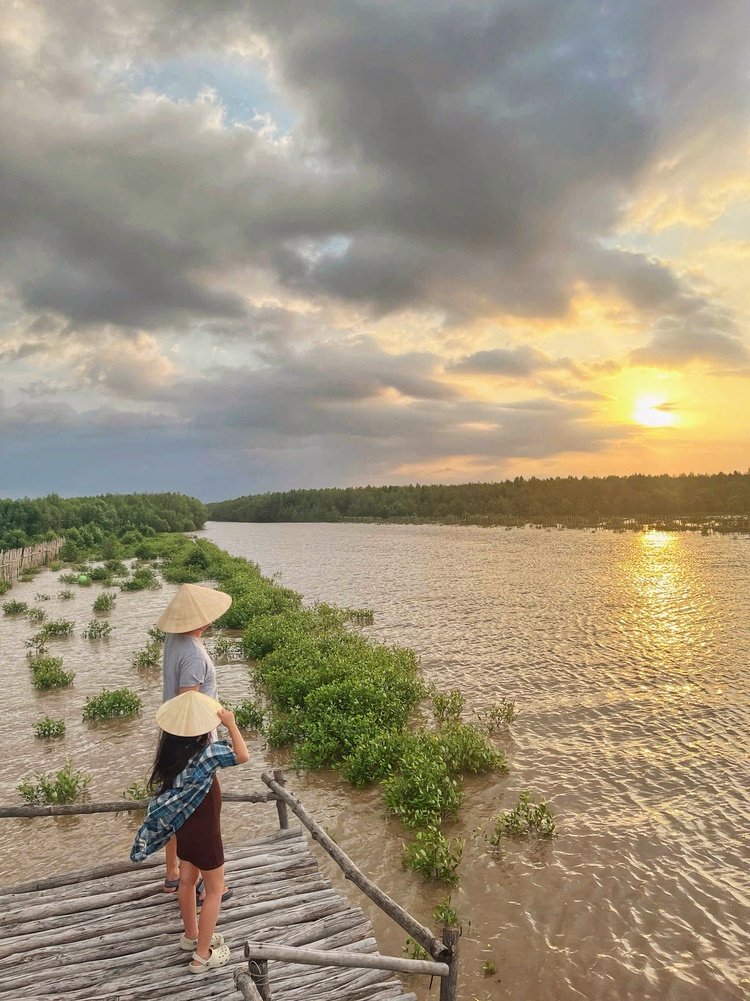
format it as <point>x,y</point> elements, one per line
<point>627,655</point>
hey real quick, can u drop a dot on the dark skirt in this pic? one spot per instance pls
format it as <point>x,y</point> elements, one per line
<point>199,838</point>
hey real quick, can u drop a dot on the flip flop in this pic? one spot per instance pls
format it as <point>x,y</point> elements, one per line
<point>229,892</point>
<point>170,885</point>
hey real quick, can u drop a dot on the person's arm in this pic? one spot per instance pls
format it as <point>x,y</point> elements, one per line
<point>226,716</point>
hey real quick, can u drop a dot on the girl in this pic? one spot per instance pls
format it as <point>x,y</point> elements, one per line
<point>188,803</point>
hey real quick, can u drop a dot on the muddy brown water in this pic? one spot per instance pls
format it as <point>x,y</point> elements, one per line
<point>627,656</point>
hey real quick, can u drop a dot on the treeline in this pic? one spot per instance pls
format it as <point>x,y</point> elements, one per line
<point>91,521</point>
<point>588,497</point>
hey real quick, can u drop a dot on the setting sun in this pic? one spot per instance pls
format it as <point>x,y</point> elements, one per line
<point>654,413</point>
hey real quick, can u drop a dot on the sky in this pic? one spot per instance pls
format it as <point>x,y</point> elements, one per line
<point>249,245</point>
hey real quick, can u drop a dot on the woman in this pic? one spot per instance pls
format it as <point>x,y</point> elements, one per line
<point>187,667</point>
<point>186,807</point>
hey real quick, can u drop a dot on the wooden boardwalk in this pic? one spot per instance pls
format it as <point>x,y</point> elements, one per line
<point>112,934</point>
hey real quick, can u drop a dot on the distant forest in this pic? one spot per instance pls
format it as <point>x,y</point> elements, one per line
<point>88,521</point>
<point>587,498</point>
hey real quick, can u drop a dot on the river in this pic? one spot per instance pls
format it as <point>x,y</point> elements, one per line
<point>627,656</point>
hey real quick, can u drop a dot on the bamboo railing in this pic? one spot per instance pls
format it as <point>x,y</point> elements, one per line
<point>254,985</point>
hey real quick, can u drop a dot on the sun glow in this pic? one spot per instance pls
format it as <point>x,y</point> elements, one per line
<point>652,412</point>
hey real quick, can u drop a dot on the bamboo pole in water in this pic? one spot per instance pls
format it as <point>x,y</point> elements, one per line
<point>422,935</point>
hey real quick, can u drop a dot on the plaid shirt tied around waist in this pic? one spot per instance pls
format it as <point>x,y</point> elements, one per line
<point>168,811</point>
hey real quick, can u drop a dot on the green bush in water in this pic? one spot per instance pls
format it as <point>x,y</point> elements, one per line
<point>49,729</point>
<point>435,857</point>
<point>15,607</point>
<point>111,704</point>
<point>63,786</point>
<point>47,672</point>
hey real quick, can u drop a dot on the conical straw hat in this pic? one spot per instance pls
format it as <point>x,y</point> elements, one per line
<point>189,714</point>
<point>193,606</point>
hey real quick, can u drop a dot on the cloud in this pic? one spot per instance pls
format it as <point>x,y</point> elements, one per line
<point>519,362</point>
<point>442,172</point>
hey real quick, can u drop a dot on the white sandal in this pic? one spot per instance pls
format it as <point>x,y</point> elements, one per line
<point>218,957</point>
<point>191,944</point>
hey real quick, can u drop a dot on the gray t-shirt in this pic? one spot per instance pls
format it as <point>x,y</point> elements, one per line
<point>186,664</point>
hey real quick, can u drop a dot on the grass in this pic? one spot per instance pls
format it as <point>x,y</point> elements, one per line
<point>526,818</point>
<point>63,786</point>
<point>49,729</point>
<point>97,629</point>
<point>105,602</point>
<point>5,586</point>
<point>112,704</point>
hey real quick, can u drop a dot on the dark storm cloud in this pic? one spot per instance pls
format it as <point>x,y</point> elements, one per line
<point>471,156</point>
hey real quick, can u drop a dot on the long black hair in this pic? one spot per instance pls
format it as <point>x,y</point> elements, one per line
<point>172,755</point>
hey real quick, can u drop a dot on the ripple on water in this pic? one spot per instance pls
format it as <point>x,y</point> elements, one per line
<point>627,657</point>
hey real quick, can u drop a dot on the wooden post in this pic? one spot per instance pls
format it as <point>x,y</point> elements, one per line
<point>245,986</point>
<point>449,984</point>
<point>280,804</point>
<point>259,976</point>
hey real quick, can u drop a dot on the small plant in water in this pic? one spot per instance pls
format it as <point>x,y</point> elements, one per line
<point>47,672</point>
<point>37,645</point>
<point>42,597</point>
<point>65,595</point>
<point>138,790</point>
<point>110,704</point>
<point>432,855</point>
<point>448,706</point>
<point>445,914</point>
<point>5,585</point>
<point>36,614</point>
<point>63,786</point>
<point>413,950</point>
<point>157,635</point>
<point>97,629</point>
<point>15,607</point>
<point>525,818</point>
<point>105,602</point>
<point>150,656</point>
<point>49,729</point>
<point>488,968</point>
<point>57,627</point>
<point>500,714</point>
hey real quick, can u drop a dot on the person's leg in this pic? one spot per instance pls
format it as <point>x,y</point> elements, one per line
<point>214,882</point>
<point>186,895</point>
<point>173,866</point>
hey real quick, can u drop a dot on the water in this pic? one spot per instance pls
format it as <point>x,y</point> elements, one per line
<point>627,656</point>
